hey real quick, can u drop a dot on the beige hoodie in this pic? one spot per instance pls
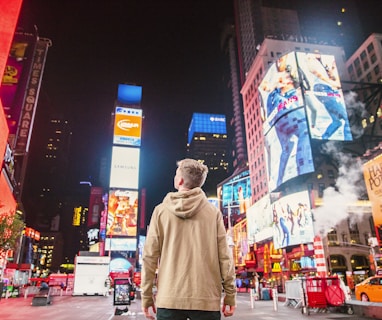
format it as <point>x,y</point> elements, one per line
<point>187,237</point>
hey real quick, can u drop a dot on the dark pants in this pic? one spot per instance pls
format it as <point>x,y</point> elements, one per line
<point>177,314</point>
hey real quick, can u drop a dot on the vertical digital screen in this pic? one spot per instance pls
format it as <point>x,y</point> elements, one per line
<point>236,195</point>
<point>127,126</point>
<point>122,213</point>
<point>287,141</point>
<point>324,99</point>
<point>124,168</point>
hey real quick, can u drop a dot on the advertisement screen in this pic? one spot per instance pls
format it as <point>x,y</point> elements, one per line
<point>207,123</point>
<point>127,126</point>
<point>95,206</point>
<point>288,153</point>
<point>373,177</point>
<point>280,91</point>
<point>236,195</point>
<point>122,213</point>
<point>287,142</point>
<point>292,220</point>
<point>324,99</point>
<point>13,84</point>
<point>7,200</point>
<point>124,168</point>
<point>259,221</point>
<point>121,244</point>
<point>129,94</point>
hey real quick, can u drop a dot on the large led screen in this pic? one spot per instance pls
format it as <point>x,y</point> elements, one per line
<point>127,126</point>
<point>124,168</point>
<point>292,220</point>
<point>236,195</point>
<point>129,94</point>
<point>122,213</point>
<point>285,125</point>
<point>259,221</point>
<point>325,104</point>
<point>288,149</point>
<point>207,123</point>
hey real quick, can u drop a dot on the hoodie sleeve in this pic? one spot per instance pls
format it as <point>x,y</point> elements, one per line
<point>227,266</point>
<point>151,255</point>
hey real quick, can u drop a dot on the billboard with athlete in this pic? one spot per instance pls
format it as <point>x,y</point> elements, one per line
<point>285,125</point>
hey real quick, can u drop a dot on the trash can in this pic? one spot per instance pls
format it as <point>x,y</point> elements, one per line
<point>265,294</point>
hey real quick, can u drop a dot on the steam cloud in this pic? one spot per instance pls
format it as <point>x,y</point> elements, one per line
<point>349,186</point>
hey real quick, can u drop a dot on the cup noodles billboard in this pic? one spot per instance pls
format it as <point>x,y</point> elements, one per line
<point>127,126</point>
<point>124,168</point>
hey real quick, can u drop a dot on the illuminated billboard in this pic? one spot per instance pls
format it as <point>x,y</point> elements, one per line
<point>292,220</point>
<point>286,134</point>
<point>373,178</point>
<point>259,221</point>
<point>324,99</point>
<point>207,123</point>
<point>288,153</point>
<point>95,206</point>
<point>121,244</point>
<point>7,200</point>
<point>236,195</point>
<point>122,213</point>
<point>124,168</point>
<point>129,94</point>
<point>127,126</point>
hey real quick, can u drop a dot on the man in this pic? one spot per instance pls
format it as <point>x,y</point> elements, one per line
<point>186,242</point>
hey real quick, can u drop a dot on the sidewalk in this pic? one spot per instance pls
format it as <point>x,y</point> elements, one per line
<point>101,308</point>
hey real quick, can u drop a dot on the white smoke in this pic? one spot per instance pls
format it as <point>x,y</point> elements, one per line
<point>356,112</point>
<point>336,200</point>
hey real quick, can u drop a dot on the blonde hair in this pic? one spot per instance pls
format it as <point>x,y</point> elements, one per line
<point>194,173</point>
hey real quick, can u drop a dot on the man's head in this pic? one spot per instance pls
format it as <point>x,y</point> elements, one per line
<point>190,174</point>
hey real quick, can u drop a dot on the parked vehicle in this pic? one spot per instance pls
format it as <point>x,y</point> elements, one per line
<point>370,289</point>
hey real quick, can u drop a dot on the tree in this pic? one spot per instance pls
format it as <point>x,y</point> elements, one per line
<point>11,227</point>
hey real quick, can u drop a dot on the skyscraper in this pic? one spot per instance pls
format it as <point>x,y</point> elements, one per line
<point>208,143</point>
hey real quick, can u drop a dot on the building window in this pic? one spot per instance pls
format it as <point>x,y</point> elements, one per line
<point>363,55</point>
<point>376,70</point>
<point>366,65</point>
<point>357,62</point>
<point>332,238</point>
<point>354,232</point>
<point>331,174</point>
<point>373,58</point>
<point>370,47</point>
<point>350,69</point>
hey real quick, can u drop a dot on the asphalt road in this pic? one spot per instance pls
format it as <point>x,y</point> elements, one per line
<point>101,308</point>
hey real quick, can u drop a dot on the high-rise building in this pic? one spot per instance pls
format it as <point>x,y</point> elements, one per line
<point>208,143</point>
<point>48,163</point>
<point>365,70</point>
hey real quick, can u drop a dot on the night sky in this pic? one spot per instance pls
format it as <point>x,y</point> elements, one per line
<point>169,47</point>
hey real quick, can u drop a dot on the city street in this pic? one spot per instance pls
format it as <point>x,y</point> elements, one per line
<point>101,308</point>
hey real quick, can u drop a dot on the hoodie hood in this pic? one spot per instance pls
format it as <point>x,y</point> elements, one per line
<point>184,204</point>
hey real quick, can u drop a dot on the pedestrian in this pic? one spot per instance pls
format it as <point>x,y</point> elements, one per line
<point>187,244</point>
